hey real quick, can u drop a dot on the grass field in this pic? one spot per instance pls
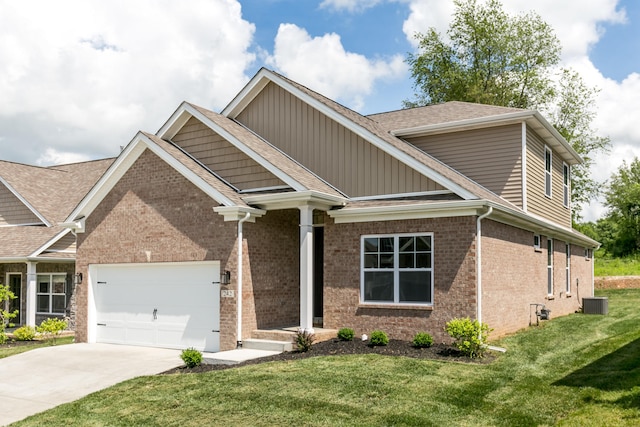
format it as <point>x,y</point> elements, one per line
<point>577,370</point>
<point>629,266</point>
<point>11,350</point>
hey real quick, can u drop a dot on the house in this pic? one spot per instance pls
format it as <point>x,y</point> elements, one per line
<point>37,254</point>
<point>288,209</point>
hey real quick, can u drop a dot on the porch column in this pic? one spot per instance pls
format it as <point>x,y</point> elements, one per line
<point>306,268</point>
<point>31,293</point>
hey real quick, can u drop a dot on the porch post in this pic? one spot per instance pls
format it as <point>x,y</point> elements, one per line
<point>306,268</point>
<point>31,293</point>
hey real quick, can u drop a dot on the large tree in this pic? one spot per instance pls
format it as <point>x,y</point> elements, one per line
<point>490,57</point>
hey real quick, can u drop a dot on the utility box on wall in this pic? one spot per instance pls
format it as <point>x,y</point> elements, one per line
<point>595,305</point>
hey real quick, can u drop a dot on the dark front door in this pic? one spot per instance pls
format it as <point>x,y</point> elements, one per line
<point>318,275</point>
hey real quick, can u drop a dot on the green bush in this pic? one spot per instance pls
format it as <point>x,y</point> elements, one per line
<point>378,338</point>
<point>5,316</point>
<point>303,340</point>
<point>470,336</point>
<point>25,333</point>
<point>422,340</point>
<point>51,328</point>
<point>346,334</point>
<point>191,357</point>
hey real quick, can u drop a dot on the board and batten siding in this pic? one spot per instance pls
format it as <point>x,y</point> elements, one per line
<point>13,211</point>
<point>333,152</point>
<point>222,157</point>
<point>65,244</point>
<point>537,202</point>
<point>491,157</point>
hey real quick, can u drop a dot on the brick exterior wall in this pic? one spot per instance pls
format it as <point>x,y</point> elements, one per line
<point>454,278</point>
<point>514,276</point>
<point>155,209</point>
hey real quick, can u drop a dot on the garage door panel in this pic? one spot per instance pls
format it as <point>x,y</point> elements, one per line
<point>174,305</point>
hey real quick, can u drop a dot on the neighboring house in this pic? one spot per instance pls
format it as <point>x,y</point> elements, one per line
<point>37,255</point>
<point>288,209</point>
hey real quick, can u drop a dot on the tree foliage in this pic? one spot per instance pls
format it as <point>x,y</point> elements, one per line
<point>490,57</point>
<point>622,197</point>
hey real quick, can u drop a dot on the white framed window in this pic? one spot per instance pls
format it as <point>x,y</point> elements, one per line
<point>397,269</point>
<point>549,266</point>
<point>536,242</point>
<point>568,268</point>
<point>566,180</point>
<point>588,253</point>
<point>548,163</point>
<point>52,293</point>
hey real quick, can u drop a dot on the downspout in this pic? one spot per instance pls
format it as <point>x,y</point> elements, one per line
<point>479,262</point>
<point>239,290</point>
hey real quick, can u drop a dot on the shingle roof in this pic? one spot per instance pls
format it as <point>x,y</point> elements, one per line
<point>20,242</point>
<point>53,191</point>
<point>447,112</point>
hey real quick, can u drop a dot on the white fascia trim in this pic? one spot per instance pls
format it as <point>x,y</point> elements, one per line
<point>523,165</point>
<point>122,164</point>
<point>44,247</point>
<point>401,195</point>
<point>25,202</point>
<point>559,138</point>
<point>21,225</point>
<point>257,83</point>
<point>292,200</point>
<point>185,111</point>
<point>403,212</point>
<point>77,226</point>
<point>236,213</point>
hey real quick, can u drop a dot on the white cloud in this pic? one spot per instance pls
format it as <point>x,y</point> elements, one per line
<point>349,5</point>
<point>52,156</point>
<point>88,74</point>
<point>322,64</point>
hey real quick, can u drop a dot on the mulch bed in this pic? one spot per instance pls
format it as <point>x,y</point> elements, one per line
<point>335,347</point>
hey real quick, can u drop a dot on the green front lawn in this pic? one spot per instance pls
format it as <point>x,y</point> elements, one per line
<point>579,370</point>
<point>11,348</point>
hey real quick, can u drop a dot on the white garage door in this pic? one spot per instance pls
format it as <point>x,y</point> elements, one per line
<point>170,305</point>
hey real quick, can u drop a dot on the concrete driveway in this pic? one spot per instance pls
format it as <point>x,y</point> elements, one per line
<point>41,379</point>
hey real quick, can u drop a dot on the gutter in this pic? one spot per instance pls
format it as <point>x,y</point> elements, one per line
<point>479,262</point>
<point>239,290</point>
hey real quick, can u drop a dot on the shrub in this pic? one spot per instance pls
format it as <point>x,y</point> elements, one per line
<point>422,340</point>
<point>5,315</point>
<point>378,338</point>
<point>470,336</point>
<point>191,357</point>
<point>25,333</point>
<point>346,334</point>
<point>51,328</point>
<point>303,340</point>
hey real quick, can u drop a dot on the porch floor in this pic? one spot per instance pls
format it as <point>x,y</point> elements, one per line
<point>287,334</point>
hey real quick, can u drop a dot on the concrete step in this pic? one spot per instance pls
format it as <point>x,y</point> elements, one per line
<point>269,345</point>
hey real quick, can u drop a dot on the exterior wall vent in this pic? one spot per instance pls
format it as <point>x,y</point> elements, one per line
<point>595,305</point>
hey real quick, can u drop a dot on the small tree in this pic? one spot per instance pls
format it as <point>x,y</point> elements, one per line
<point>5,315</point>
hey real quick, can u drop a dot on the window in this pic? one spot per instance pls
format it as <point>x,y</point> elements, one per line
<point>547,171</point>
<point>536,242</point>
<point>565,184</point>
<point>52,295</point>
<point>568,268</point>
<point>397,269</point>
<point>588,253</point>
<point>550,266</point>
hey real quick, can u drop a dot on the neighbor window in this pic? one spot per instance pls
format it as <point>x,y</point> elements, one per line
<point>565,184</point>
<point>550,266</point>
<point>547,171</point>
<point>397,269</point>
<point>568,267</point>
<point>51,295</point>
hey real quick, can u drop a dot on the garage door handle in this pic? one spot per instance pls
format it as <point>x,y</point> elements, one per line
<point>102,324</point>
<point>155,314</point>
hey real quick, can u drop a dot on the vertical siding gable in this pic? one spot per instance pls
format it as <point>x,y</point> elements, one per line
<point>328,149</point>
<point>222,157</point>
<point>491,157</point>
<point>537,203</point>
<point>65,244</point>
<point>13,211</point>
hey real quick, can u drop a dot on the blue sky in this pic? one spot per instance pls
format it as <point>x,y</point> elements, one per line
<point>80,77</point>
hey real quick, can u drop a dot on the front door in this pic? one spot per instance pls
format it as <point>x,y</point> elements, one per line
<point>14,281</point>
